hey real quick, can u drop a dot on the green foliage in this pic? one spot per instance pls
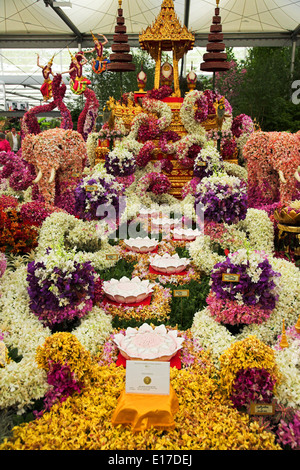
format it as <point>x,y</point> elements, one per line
<point>183,309</point>
<point>264,93</point>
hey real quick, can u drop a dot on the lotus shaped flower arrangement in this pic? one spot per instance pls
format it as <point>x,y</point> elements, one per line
<point>127,290</point>
<point>165,222</point>
<point>146,213</point>
<point>147,343</point>
<point>141,244</point>
<point>169,264</point>
<point>188,234</point>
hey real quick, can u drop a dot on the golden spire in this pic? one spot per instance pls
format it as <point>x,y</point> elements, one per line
<point>72,57</point>
<point>218,1</point>
<point>297,326</point>
<point>283,343</point>
<point>120,3</point>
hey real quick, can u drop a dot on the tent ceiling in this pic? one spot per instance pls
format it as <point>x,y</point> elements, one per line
<point>30,23</point>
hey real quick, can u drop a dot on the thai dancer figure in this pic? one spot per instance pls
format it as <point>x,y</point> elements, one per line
<point>78,82</point>
<point>46,88</point>
<point>99,64</point>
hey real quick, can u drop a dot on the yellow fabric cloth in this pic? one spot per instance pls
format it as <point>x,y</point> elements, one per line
<point>145,411</point>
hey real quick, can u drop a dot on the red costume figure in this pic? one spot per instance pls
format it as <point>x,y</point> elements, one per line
<point>78,82</point>
<point>99,64</point>
<point>46,88</point>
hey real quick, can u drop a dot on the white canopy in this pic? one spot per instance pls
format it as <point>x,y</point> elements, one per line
<point>31,23</point>
<point>46,26</point>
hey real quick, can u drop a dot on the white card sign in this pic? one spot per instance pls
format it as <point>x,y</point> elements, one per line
<point>148,377</point>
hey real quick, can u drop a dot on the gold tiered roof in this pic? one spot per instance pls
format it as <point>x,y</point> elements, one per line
<point>167,34</point>
<point>167,29</point>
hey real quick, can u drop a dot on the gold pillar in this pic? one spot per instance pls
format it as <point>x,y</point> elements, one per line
<point>157,68</point>
<point>175,72</point>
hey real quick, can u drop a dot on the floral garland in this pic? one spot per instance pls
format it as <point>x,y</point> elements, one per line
<point>165,139</point>
<point>242,125</point>
<point>153,126</point>
<point>117,132</point>
<point>188,148</point>
<point>225,140</point>
<point>145,154</point>
<point>224,198</point>
<point>196,107</point>
<point>76,233</point>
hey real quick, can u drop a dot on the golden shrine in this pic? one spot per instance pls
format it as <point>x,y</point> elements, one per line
<point>167,34</point>
<point>164,35</point>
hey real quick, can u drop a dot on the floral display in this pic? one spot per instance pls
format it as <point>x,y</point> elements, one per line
<point>94,191</point>
<point>255,286</point>
<point>101,264</point>
<point>241,125</point>
<point>236,369</point>
<point>223,197</point>
<point>111,133</point>
<point>145,154</point>
<point>56,293</point>
<point>154,182</point>
<point>57,155</point>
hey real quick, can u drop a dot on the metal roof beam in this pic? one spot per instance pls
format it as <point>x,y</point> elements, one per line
<point>65,19</point>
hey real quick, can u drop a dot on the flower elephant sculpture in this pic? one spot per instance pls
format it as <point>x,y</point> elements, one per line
<point>273,164</point>
<point>59,157</point>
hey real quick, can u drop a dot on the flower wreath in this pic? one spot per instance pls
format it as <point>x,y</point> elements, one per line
<point>188,148</point>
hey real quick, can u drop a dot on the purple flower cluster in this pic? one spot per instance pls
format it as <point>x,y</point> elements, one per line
<point>252,293</point>
<point>107,195</point>
<point>252,384</point>
<point>63,384</point>
<point>20,174</point>
<point>73,287</point>
<point>228,209</point>
<point>288,433</point>
<point>116,168</point>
